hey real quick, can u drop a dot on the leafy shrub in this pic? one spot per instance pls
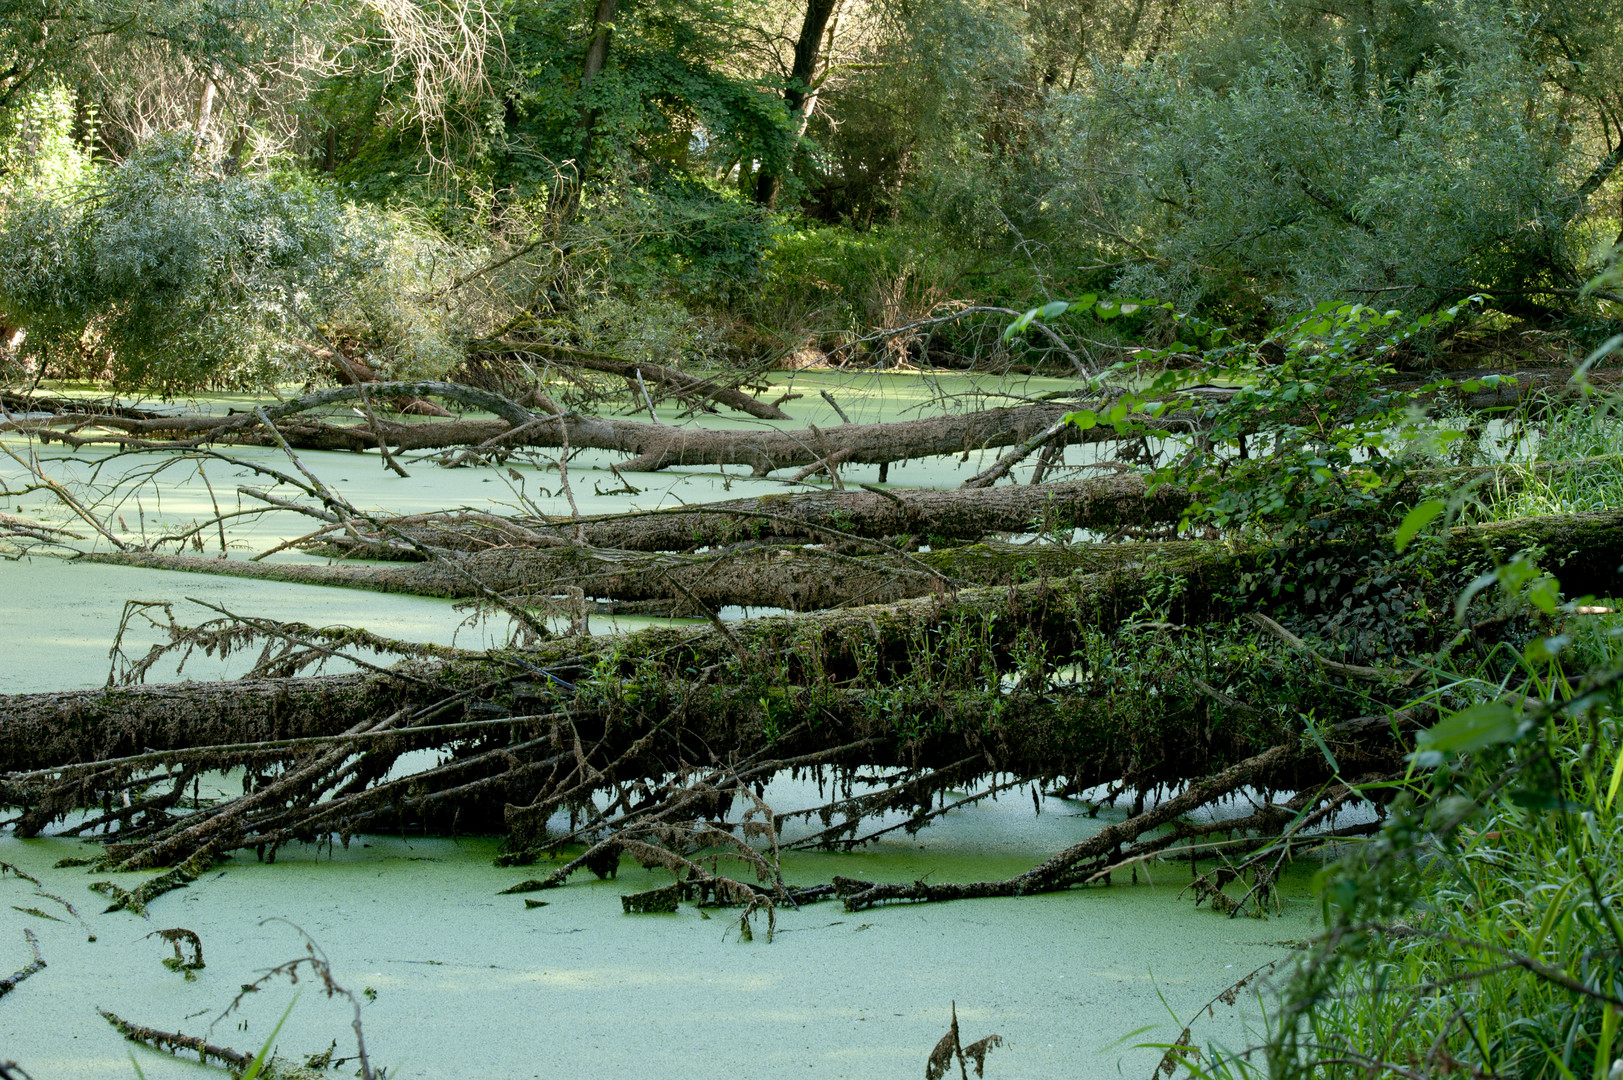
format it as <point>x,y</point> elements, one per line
<point>1284,168</point>
<point>651,330</point>
<point>1285,433</point>
<point>168,273</point>
<point>39,153</point>
<point>1477,934</point>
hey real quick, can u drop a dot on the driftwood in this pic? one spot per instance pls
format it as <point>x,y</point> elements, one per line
<point>44,730</point>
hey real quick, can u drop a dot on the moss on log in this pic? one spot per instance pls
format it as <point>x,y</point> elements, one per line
<point>905,660</point>
<point>791,578</point>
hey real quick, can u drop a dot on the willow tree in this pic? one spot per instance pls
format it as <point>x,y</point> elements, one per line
<point>1413,152</point>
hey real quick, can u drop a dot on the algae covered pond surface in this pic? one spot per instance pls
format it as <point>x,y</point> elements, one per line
<point>460,981</point>
<point>469,983</point>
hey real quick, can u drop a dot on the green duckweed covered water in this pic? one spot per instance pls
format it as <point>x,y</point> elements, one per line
<point>469,983</point>
<point>474,984</point>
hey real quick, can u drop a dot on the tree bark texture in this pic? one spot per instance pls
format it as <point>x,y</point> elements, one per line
<point>798,94</point>
<point>1102,504</point>
<point>794,578</point>
<point>653,446</point>
<point>937,517</point>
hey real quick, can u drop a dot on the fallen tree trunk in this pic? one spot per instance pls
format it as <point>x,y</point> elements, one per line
<point>824,649</point>
<point>653,446</point>
<point>1024,680</point>
<point>794,579</point>
<point>867,646</point>
<point>1105,504</point>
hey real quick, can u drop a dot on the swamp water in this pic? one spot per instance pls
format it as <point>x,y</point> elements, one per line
<point>469,983</point>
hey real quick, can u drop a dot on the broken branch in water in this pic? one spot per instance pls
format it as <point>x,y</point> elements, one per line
<point>8,984</point>
<point>178,1043</point>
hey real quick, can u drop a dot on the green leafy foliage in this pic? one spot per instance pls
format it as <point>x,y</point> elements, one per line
<point>1417,519</point>
<point>168,272</point>
<point>1293,153</point>
<point>1300,428</point>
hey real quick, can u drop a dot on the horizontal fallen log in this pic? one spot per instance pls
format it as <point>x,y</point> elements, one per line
<point>791,578</point>
<point>1106,504</point>
<point>1103,504</point>
<point>927,692</point>
<point>653,446</point>
<point>867,648</point>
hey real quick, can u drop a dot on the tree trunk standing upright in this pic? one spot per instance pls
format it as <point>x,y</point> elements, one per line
<point>597,57</point>
<point>567,199</point>
<point>205,103</point>
<point>800,95</point>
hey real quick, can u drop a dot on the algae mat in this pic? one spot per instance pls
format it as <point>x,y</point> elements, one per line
<point>469,983</point>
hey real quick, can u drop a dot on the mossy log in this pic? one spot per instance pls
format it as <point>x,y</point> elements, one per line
<point>1104,504</point>
<point>903,656</point>
<point>820,651</point>
<point>610,581</point>
<point>1108,504</point>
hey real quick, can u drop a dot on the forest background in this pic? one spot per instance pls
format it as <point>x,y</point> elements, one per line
<point>186,188</point>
